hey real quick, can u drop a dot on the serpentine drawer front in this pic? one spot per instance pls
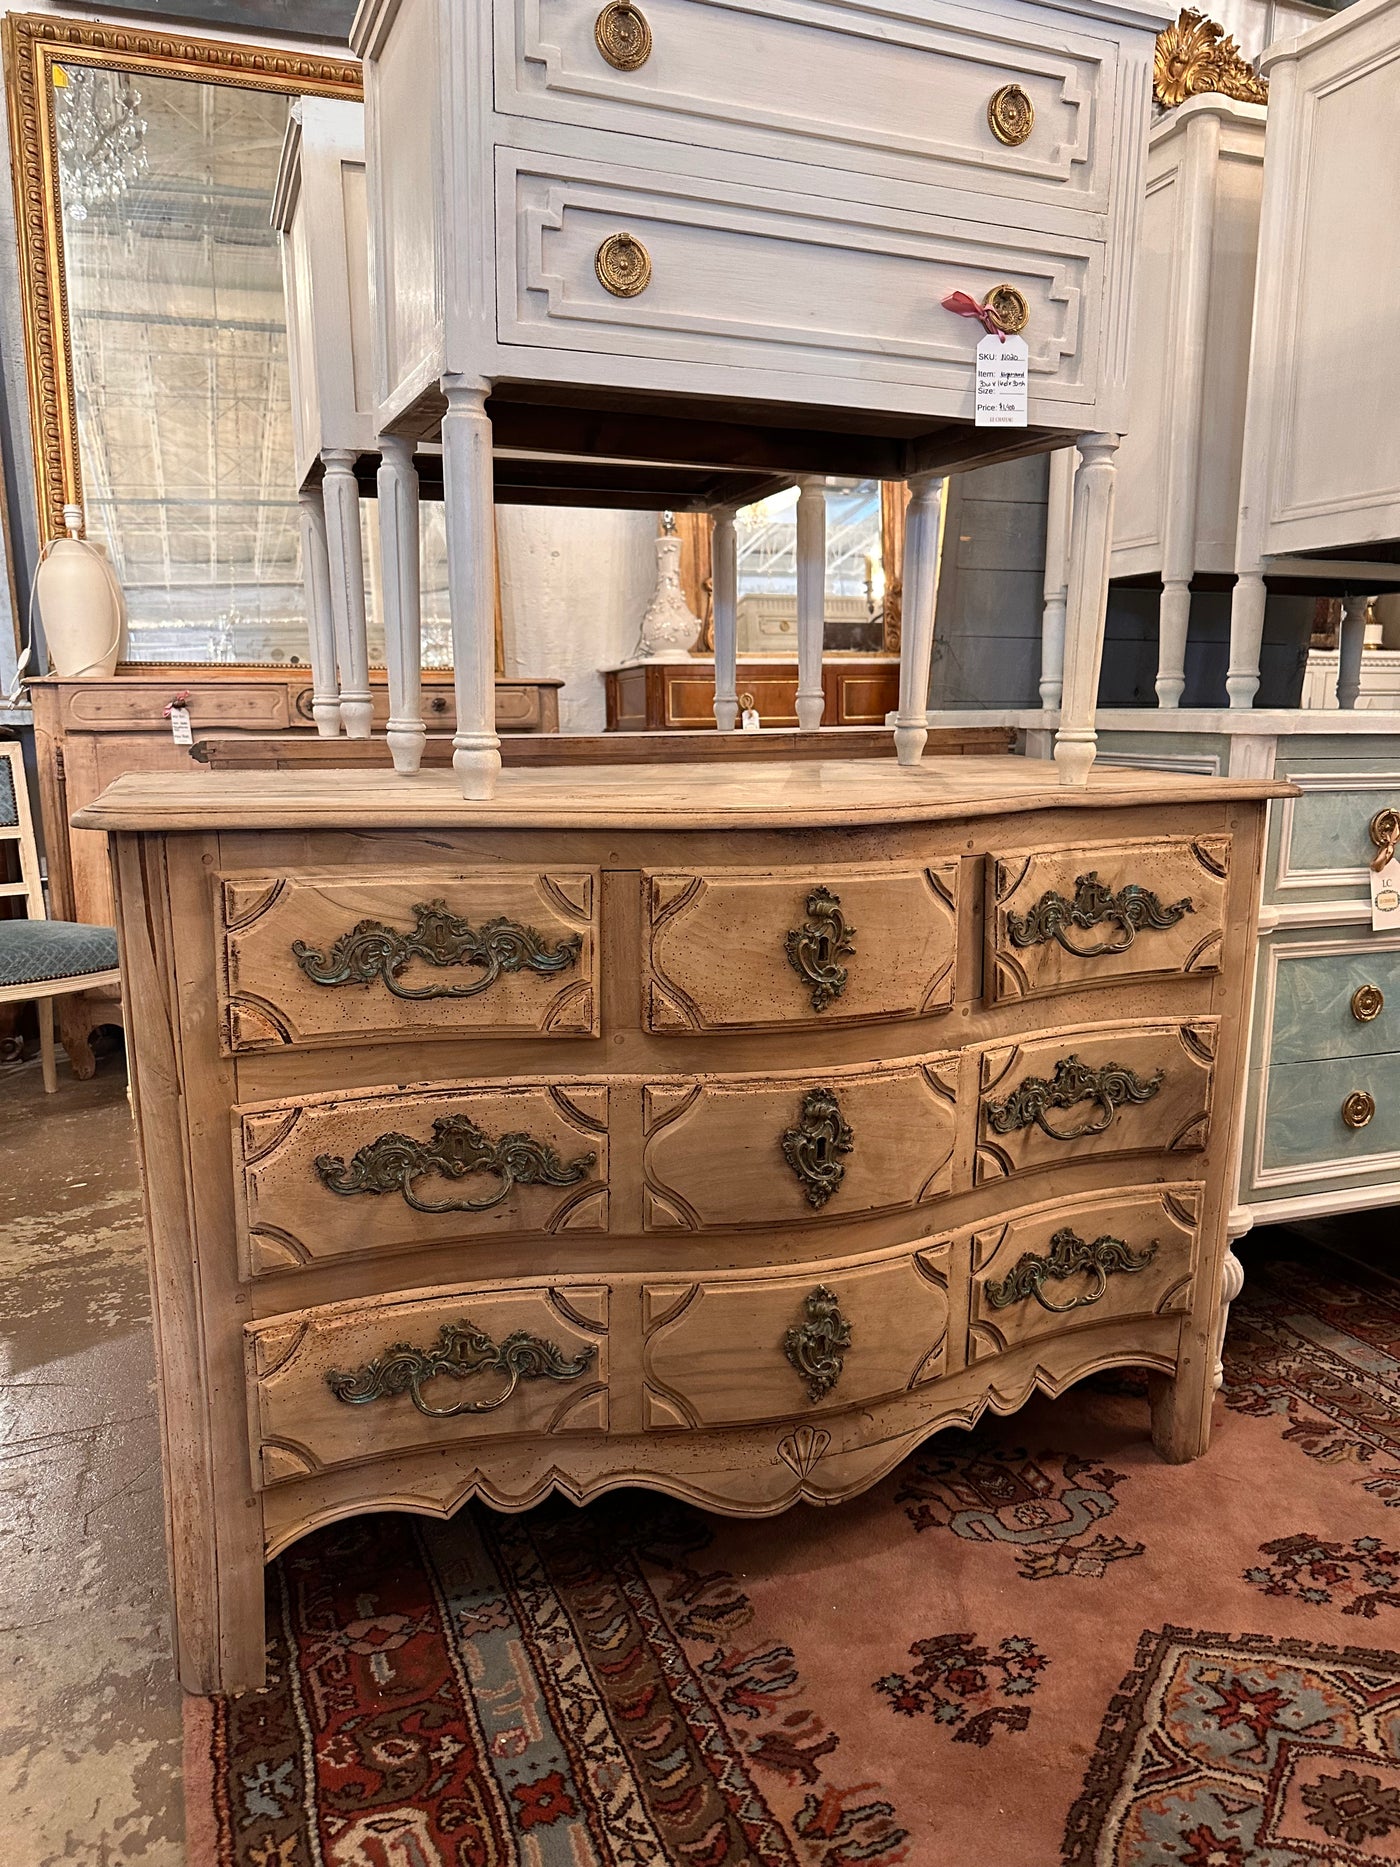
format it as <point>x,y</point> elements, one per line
<point>1061,919</point>
<point>760,1345</point>
<point>845,87</point>
<point>324,1176</point>
<point>1073,1263</point>
<point>347,1382</point>
<point>1093,1091</point>
<point>785,1147</point>
<point>489,952</point>
<point>736,949</point>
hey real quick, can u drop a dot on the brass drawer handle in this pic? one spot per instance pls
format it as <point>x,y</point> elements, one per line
<point>812,1147</point>
<point>461,1350</point>
<point>623,265</point>
<point>371,950</point>
<point>1358,1108</point>
<point>1069,1255</point>
<point>1385,834</point>
<point>1010,115</point>
<point>1130,909</point>
<point>1367,1002</point>
<point>1109,1087</point>
<point>814,948</point>
<point>392,1162</point>
<point>1003,310</point>
<point>622,35</point>
<point>817,1347</point>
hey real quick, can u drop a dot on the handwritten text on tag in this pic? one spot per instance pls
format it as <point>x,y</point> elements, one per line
<point>180,726</point>
<point>1002,377</point>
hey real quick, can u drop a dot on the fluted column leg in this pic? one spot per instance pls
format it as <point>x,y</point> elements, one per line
<point>724,575</point>
<point>471,577</point>
<point>1246,638</point>
<point>1058,517</point>
<point>1173,623</point>
<point>1091,541</point>
<point>320,623</point>
<point>811,600</point>
<point>1351,645</point>
<point>922,523</point>
<point>403,621</point>
<point>344,550</point>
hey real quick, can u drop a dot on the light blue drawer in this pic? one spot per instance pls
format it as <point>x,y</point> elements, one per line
<point>1303,1123</point>
<point>1312,1005</point>
<point>1320,842</point>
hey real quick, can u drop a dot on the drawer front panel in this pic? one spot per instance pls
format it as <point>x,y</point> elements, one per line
<point>1072,1263</point>
<point>248,706</point>
<point>723,1351</point>
<point>325,1176</point>
<point>743,950</point>
<point>727,1152</point>
<point>1061,919</point>
<point>1094,1092</point>
<point>839,86</point>
<point>1314,997</point>
<point>352,1381</point>
<point>1320,845</point>
<point>743,275</point>
<point>458,953</point>
<point>1303,1120</point>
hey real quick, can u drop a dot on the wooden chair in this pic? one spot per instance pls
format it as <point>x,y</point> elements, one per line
<point>39,958</point>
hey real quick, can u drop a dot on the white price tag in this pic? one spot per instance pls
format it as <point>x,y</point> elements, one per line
<point>748,720</point>
<point>1385,897</point>
<point>180,726</point>
<point>1003,373</point>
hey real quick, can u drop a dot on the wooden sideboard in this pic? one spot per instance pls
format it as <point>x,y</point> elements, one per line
<point>501,1148</point>
<point>678,696</point>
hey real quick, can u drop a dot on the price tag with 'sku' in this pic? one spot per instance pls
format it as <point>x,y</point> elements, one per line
<point>1385,897</point>
<point>1003,371</point>
<point>180,725</point>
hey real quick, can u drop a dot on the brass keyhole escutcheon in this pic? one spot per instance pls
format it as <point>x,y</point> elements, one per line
<point>1358,1108</point>
<point>1385,834</point>
<point>623,265</point>
<point>1008,309</point>
<point>623,35</point>
<point>1367,1002</point>
<point>1011,115</point>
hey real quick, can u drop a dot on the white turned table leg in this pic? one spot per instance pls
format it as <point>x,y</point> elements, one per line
<point>1246,638</point>
<point>468,495</point>
<point>1173,623</point>
<point>403,619</point>
<point>1058,516</point>
<point>1351,645</point>
<point>811,600</point>
<point>345,555</point>
<point>1091,542</point>
<point>724,575</point>
<point>921,533</point>
<point>320,622</point>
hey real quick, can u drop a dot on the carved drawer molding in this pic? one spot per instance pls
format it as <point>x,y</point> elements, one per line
<point>1097,913</point>
<point>317,959</point>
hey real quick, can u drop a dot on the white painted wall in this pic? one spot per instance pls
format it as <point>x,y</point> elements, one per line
<point>574,584</point>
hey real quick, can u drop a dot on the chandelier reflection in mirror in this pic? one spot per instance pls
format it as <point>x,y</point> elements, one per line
<point>101,136</point>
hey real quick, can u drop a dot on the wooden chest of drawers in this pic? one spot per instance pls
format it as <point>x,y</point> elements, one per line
<point>727,1137</point>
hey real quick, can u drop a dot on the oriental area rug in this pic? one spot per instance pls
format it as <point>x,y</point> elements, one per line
<point>1032,1646</point>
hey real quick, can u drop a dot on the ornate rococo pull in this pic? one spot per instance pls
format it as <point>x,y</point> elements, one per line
<point>817,1347</point>
<point>1069,1256</point>
<point>814,948</point>
<point>1109,1086</point>
<point>811,1148</point>
<point>373,951</point>
<point>1131,909</point>
<point>461,1350</point>
<point>392,1162</point>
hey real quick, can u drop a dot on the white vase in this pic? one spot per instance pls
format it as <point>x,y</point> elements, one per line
<point>669,629</point>
<point>80,604</point>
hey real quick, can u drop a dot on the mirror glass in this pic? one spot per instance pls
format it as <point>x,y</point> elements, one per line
<point>766,541</point>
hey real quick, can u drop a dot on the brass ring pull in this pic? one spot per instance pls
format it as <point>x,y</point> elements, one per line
<point>391,1163</point>
<point>375,952</point>
<point>1385,834</point>
<point>1107,1108</point>
<point>1132,909</point>
<point>1011,115</point>
<point>1070,1255</point>
<point>461,1349</point>
<point>1008,309</point>
<point>1367,1002</point>
<point>1092,1296</point>
<point>1358,1108</point>
<point>1108,1087</point>
<point>623,265</point>
<point>622,35</point>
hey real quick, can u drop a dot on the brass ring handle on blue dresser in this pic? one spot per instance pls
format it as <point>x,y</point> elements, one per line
<point>1131,909</point>
<point>372,951</point>
<point>392,1162</point>
<point>1108,1087</point>
<point>1069,1256</point>
<point>461,1350</point>
<point>816,947</point>
<point>1367,1002</point>
<point>623,36</point>
<point>817,1347</point>
<point>1385,834</point>
<point>1359,1108</point>
<point>813,1147</point>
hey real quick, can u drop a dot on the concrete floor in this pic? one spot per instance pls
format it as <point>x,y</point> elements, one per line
<point>89,1706</point>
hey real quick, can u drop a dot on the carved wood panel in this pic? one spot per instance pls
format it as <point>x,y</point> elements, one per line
<point>322,1177</point>
<point>1060,919</point>
<point>321,958</point>
<point>1094,1091</point>
<point>733,949</point>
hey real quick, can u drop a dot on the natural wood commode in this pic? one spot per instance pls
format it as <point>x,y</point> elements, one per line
<point>726,1135</point>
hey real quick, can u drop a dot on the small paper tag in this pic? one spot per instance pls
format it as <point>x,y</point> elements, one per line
<point>1385,897</point>
<point>1003,371</point>
<point>180,726</point>
<point>748,720</point>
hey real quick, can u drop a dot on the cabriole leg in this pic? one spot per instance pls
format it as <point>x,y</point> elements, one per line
<point>345,554</point>
<point>921,535</point>
<point>725,580</point>
<point>811,600</point>
<point>1091,541</point>
<point>320,621</point>
<point>403,627</point>
<point>471,576</point>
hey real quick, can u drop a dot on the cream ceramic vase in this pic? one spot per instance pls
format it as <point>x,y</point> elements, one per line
<point>80,604</point>
<point>669,628</point>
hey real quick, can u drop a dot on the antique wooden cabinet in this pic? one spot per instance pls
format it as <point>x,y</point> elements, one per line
<point>678,696</point>
<point>726,1134</point>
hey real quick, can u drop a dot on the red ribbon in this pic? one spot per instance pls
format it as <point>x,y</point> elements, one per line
<point>182,699</point>
<point>965,307</point>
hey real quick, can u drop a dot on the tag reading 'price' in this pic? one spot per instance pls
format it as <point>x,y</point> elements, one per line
<point>180,726</point>
<point>1385,897</point>
<point>1002,378</point>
